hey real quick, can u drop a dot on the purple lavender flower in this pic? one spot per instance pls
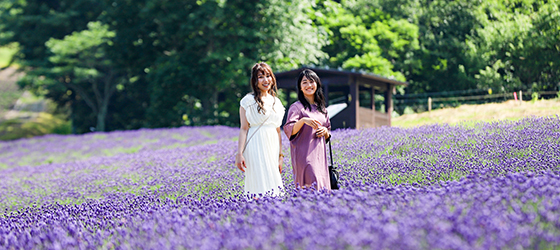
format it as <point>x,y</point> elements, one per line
<point>492,185</point>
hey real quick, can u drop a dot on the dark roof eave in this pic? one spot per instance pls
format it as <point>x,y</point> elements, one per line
<point>295,73</point>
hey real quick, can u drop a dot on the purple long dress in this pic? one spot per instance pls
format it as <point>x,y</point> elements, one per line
<point>309,152</point>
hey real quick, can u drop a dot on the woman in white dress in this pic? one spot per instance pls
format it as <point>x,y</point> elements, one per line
<point>259,152</point>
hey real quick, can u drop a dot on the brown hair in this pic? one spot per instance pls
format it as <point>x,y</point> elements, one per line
<point>264,68</point>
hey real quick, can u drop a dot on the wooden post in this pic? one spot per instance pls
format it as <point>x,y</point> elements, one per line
<point>429,104</point>
<point>520,96</point>
<point>354,102</point>
<point>372,97</point>
<point>389,102</point>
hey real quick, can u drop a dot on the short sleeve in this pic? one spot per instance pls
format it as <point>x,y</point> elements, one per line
<point>280,106</point>
<point>246,101</point>
<point>294,114</point>
<point>279,110</point>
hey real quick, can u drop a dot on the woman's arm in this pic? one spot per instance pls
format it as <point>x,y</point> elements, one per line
<point>305,120</point>
<point>244,128</point>
<point>281,156</point>
<point>295,121</point>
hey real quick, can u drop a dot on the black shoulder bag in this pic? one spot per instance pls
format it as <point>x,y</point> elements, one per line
<point>333,172</point>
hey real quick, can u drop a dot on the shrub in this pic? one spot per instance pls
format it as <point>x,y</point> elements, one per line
<point>43,124</point>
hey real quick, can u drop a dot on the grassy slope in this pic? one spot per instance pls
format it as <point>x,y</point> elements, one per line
<point>9,92</point>
<point>510,110</point>
<point>14,128</point>
<point>6,54</point>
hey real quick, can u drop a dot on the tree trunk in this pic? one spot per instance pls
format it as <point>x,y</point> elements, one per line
<point>101,115</point>
<point>108,91</point>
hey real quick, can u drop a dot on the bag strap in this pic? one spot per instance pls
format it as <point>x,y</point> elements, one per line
<point>247,142</point>
<point>330,151</point>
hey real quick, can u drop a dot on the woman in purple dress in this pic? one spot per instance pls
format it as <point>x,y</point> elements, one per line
<point>308,127</point>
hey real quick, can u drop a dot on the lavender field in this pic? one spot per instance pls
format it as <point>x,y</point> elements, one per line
<point>470,186</point>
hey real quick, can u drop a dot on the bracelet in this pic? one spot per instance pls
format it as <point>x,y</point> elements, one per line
<point>281,155</point>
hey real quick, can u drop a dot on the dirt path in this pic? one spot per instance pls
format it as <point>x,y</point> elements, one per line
<point>8,79</point>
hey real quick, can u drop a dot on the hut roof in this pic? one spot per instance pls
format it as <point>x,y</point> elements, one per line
<point>326,72</point>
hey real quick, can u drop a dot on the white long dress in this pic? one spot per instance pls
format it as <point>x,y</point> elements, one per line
<point>262,151</point>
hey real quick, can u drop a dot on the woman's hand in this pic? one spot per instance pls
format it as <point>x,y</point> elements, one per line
<point>322,132</point>
<point>280,162</point>
<point>240,162</point>
<point>314,123</point>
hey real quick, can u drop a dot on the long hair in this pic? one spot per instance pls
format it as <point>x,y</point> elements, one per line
<point>319,97</point>
<point>263,68</point>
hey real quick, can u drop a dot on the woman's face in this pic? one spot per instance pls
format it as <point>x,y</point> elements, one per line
<point>264,81</point>
<point>308,87</point>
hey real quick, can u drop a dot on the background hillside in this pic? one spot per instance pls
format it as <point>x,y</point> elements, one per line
<point>23,114</point>
<point>119,65</point>
<point>510,110</point>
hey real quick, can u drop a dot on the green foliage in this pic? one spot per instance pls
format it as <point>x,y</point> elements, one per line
<point>288,38</point>
<point>539,64</point>
<point>534,97</point>
<point>201,52</point>
<point>8,98</point>
<point>518,43</point>
<point>468,44</point>
<point>30,24</point>
<point>363,37</point>
<point>6,54</point>
<point>124,64</point>
<point>44,124</point>
<point>74,45</point>
<point>81,64</point>
<point>444,29</point>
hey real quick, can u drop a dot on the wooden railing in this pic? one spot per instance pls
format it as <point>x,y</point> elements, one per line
<point>368,118</point>
<point>382,119</point>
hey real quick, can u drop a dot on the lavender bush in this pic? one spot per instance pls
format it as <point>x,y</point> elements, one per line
<point>471,186</point>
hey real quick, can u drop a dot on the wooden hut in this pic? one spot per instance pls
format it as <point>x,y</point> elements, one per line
<point>353,91</point>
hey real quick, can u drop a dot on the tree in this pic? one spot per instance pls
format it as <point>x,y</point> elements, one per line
<point>30,23</point>
<point>81,64</point>
<point>361,36</point>
<point>539,65</point>
<point>178,62</point>
<point>200,52</point>
<point>444,29</point>
<point>518,46</point>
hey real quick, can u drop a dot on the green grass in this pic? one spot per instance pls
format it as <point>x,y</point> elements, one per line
<point>211,159</point>
<point>121,150</point>
<point>207,134</point>
<point>8,98</point>
<point>99,136</point>
<point>469,115</point>
<point>45,123</point>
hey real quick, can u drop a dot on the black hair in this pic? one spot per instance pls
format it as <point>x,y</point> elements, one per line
<point>319,97</point>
